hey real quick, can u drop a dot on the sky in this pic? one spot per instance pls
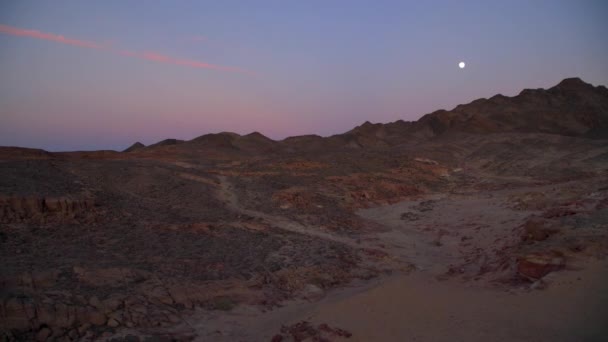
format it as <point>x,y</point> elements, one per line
<point>84,75</point>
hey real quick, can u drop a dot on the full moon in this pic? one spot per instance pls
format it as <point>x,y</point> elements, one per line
<point>461,65</point>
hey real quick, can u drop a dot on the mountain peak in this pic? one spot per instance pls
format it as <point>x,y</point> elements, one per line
<point>135,147</point>
<point>257,135</point>
<point>573,82</point>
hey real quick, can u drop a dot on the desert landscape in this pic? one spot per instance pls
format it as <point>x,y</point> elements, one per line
<point>487,222</point>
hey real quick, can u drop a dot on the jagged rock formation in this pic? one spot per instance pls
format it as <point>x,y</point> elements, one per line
<point>39,209</point>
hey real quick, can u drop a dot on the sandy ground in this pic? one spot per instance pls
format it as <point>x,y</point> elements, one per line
<point>415,308</point>
<point>422,305</point>
<point>419,308</point>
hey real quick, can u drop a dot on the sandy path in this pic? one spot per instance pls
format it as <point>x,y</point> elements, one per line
<point>416,308</point>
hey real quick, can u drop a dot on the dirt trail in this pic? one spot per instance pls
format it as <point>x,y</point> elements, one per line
<point>437,232</point>
<point>440,232</point>
<point>227,194</point>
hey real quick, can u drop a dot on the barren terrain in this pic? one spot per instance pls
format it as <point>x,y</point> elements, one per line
<point>487,222</point>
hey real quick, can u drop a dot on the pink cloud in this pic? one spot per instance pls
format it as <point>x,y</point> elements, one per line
<point>146,55</point>
<point>156,57</point>
<point>14,31</point>
<point>160,58</point>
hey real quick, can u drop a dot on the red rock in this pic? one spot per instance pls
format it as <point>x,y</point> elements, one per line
<point>537,265</point>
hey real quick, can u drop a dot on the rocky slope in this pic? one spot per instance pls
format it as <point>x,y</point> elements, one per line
<point>571,108</point>
<point>498,193</point>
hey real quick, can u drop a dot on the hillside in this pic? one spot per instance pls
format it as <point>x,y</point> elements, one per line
<point>230,237</point>
<point>571,108</point>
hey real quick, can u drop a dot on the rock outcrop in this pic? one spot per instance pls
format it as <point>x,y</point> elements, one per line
<point>39,209</point>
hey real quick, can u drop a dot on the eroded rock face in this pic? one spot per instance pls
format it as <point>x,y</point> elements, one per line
<point>32,208</point>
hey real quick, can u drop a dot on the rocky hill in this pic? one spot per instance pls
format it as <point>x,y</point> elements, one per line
<point>571,108</point>
<point>163,242</point>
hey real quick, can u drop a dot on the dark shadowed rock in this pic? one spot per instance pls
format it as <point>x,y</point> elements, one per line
<point>166,142</point>
<point>256,143</point>
<point>222,140</point>
<point>7,152</point>
<point>135,147</point>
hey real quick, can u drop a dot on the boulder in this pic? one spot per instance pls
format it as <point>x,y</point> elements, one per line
<point>312,292</point>
<point>537,265</point>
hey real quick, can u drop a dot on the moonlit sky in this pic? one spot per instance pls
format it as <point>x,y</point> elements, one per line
<point>78,75</point>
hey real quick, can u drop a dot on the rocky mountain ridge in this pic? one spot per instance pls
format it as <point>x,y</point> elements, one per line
<point>571,108</point>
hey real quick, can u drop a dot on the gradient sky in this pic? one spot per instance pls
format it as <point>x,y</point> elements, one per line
<point>78,75</point>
